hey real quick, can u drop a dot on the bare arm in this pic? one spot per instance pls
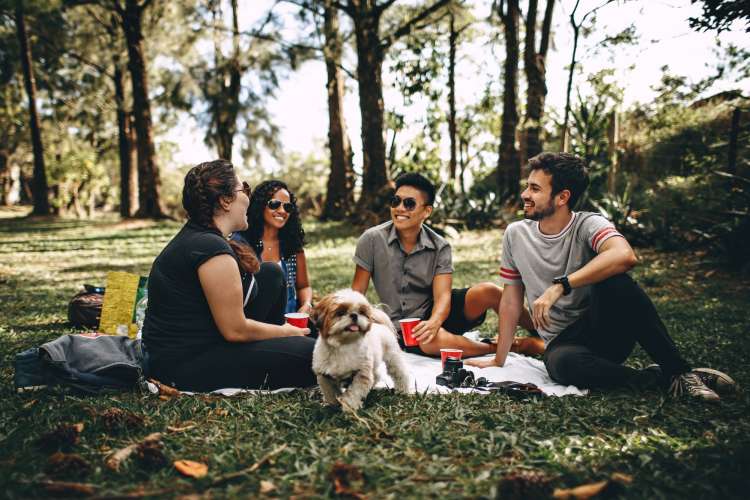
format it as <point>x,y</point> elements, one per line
<point>361,280</point>
<point>304,289</point>
<point>220,280</point>
<point>615,257</point>
<point>426,330</point>
<point>511,307</point>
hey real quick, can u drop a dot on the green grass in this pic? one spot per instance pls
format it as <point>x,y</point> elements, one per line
<point>415,446</point>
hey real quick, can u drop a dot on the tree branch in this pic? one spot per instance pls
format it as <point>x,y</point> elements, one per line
<point>408,26</point>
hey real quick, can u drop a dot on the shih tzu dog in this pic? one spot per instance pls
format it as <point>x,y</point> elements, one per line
<point>354,339</point>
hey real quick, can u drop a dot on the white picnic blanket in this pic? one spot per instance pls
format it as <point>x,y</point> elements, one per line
<point>517,368</point>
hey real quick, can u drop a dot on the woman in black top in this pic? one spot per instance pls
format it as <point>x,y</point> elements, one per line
<point>196,332</point>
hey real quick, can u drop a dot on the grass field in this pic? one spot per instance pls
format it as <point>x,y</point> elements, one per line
<point>415,446</point>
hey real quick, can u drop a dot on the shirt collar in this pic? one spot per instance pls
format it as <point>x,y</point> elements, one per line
<point>423,240</point>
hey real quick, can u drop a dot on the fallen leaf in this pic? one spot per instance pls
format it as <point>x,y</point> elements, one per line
<point>266,487</point>
<point>150,455</point>
<point>621,478</point>
<point>191,469</point>
<point>62,488</point>
<point>67,465</point>
<point>117,419</point>
<point>710,273</point>
<point>164,389</point>
<point>186,427</point>
<point>582,492</point>
<point>119,456</point>
<point>523,484</point>
<point>64,436</point>
<point>345,477</point>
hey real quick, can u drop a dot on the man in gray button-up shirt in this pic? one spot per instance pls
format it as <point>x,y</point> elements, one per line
<point>411,268</point>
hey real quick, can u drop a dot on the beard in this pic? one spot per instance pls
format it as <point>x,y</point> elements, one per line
<point>539,213</point>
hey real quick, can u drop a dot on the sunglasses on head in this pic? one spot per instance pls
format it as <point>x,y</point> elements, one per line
<point>275,204</point>
<point>245,189</point>
<point>409,203</point>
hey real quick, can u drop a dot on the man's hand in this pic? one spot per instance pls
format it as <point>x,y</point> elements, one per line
<point>541,306</point>
<point>426,330</point>
<point>483,362</point>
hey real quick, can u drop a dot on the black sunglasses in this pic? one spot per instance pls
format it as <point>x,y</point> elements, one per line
<point>245,189</point>
<point>275,204</point>
<point>409,203</point>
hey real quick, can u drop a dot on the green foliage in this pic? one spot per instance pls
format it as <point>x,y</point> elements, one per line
<point>720,14</point>
<point>401,446</point>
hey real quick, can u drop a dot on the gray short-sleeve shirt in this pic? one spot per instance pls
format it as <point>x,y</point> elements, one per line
<point>533,259</point>
<point>403,281</point>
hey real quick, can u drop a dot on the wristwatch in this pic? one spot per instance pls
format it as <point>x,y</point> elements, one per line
<point>563,280</point>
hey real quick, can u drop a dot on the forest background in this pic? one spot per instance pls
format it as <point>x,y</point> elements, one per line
<point>104,106</point>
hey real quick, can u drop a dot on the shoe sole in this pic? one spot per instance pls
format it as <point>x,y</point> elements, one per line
<point>724,383</point>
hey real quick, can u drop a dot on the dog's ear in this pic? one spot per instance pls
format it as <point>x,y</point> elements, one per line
<point>318,315</point>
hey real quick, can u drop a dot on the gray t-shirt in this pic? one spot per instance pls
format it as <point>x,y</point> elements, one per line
<point>533,259</point>
<point>403,281</point>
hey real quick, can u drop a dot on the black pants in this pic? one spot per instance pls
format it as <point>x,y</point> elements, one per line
<point>267,364</point>
<point>589,352</point>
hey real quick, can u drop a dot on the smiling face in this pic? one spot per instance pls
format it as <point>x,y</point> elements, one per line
<point>404,219</point>
<point>538,201</point>
<point>277,217</point>
<point>237,207</point>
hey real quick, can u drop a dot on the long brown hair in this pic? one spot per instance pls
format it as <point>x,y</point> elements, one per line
<point>205,184</point>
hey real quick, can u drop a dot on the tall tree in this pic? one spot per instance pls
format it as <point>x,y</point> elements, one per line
<point>39,184</point>
<point>535,69</point>
<point>372,46</point>
<point>509,162</point>
<point>340,189</point>
<point>149,182</point>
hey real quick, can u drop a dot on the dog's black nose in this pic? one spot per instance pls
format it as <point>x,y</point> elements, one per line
<point>354,316</point>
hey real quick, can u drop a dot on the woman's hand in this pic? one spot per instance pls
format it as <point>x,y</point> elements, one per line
<point>288,330</point>
<point>305,308</point>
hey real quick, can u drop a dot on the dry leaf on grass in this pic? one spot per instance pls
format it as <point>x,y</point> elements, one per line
<point>613,485</point>
<point>186,426</point>
<point>67,465</point>
<point>119,456</point>
<point>266,487</point>
<point>164,390</point>
<point>582,492</point>
<point>63,436</point>
<point>346,478</point>
<point>64,488</point>
<point>191,469</point>
<point>115,419</point>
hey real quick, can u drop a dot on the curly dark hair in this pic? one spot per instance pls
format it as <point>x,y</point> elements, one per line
<point>291,236</point>
<point>568,171</point>
<point>205,184</point>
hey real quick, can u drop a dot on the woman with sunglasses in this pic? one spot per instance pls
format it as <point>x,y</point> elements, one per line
<point>215,315</point>
<point>275,232</point>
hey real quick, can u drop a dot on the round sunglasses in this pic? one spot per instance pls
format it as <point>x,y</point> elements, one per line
<point>245,189</point>
<point>275,204</point>
<point>410,203</point>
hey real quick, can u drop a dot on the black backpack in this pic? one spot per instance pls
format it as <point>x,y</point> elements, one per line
<point>85,308</point>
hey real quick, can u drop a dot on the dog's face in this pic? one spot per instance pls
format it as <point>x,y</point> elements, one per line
<point>343,317</point>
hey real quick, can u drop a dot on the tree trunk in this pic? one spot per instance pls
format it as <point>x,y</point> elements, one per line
<point>149,183</point>
<point>128,174</point>
<point>565,133</point>
<point>452,40</point>
<point>369,69</point>
<point>227,101</point>
<point>613,137</point>
<point>340,190</point>
<point>534,66</point>
<point>5,180</point>
<point>509,165</point>
<point>39,186</point>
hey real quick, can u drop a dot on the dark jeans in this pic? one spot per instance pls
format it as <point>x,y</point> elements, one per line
<point>589,352</point>
<point>267,364</point>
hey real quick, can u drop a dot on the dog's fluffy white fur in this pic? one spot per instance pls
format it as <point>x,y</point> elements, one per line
<point>354,339</point>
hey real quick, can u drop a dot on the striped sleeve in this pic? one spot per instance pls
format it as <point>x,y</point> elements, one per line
<point>598,231</point>
<point>509,273</point>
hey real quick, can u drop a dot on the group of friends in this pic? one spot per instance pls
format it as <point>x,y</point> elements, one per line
<point>219,290</point>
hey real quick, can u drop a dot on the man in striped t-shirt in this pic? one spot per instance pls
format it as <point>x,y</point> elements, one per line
<point>572,267</point>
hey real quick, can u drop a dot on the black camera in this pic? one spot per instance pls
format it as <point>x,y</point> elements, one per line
<point>454,374</point>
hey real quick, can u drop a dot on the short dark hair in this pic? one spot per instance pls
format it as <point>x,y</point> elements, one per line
<point>568,171</point>
<point>417,181</point>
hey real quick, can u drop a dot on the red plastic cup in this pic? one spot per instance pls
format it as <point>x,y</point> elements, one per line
<point>407,325</point>
<point>450,353</point>
<point>297,319</point>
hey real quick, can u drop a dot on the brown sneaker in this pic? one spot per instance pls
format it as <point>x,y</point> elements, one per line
<point>690,384</point>
<point>717,381</point>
